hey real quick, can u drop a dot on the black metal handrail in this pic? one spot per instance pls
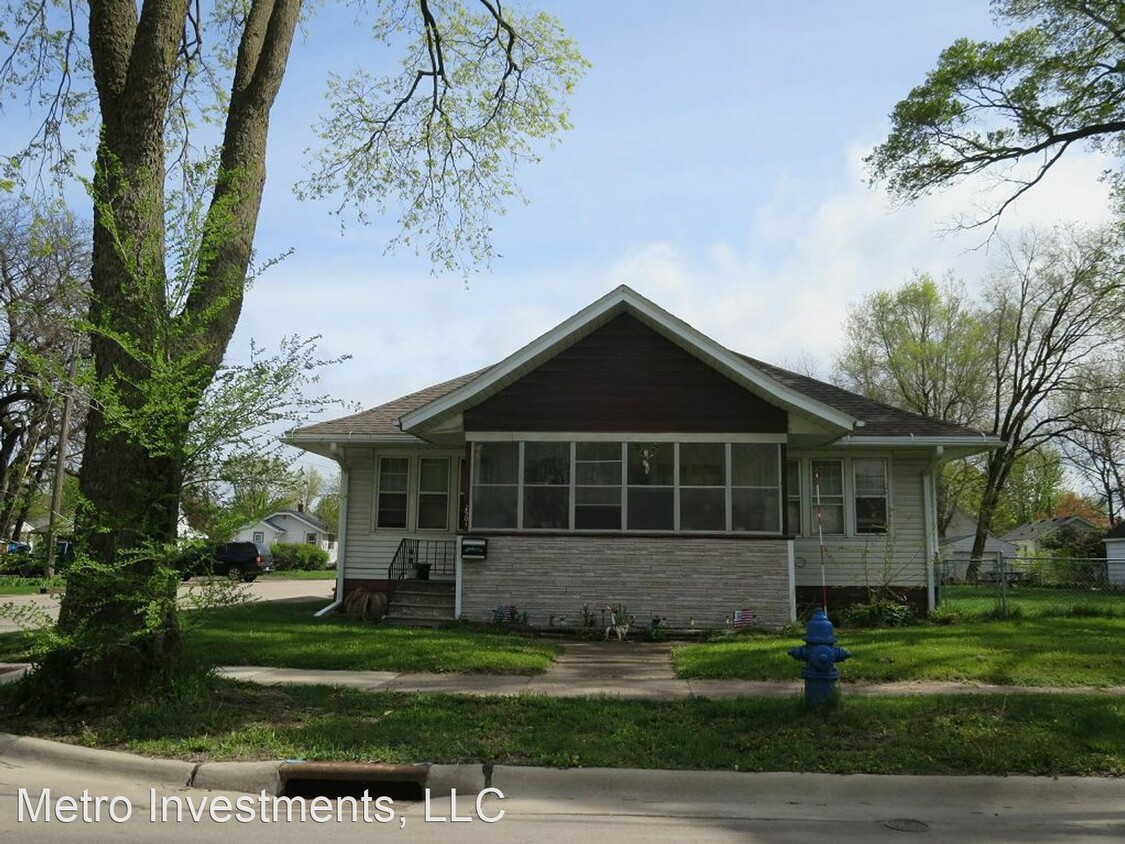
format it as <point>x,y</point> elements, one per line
<point>437,555</point>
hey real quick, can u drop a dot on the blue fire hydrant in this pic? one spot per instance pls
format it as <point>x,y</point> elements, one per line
<point>820,655</point>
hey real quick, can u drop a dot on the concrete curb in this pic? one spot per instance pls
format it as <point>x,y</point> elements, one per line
<point>249,777</point>
<point>20,751</point>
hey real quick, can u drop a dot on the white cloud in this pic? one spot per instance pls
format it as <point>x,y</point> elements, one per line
<point>781,295</point>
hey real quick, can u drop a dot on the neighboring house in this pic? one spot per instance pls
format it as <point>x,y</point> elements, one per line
<point>624,458</point>
<point>1115,554</point>
<point>1028,538</point>
<point>957,551</point>
<point>291,526</point>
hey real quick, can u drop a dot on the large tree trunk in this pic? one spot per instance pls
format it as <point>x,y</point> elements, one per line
<point>132,475</point>
<point>999,464</point>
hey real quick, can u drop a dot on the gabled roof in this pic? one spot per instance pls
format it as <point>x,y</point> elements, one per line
<point>308,518</point>
<point>623,300</point>
<point>848,417</point>
<point>1043,527</point>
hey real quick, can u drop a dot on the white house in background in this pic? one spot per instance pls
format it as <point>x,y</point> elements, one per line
<point>1029,537</point>
<point>624,458</point>
<point>289,526</point>
<point>1115,554</point>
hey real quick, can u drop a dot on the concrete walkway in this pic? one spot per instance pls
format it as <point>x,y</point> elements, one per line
<point>616,669</point>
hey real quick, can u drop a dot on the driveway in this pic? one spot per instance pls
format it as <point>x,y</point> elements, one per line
<point>263,589</point>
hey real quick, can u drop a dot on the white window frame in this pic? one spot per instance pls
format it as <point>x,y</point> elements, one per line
<point>379,458</point>
<point>815,526</point>
<point>797,496</point>
<point>259,537</point>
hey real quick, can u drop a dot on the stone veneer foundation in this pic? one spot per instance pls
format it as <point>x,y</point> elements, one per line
<point>677,578</point>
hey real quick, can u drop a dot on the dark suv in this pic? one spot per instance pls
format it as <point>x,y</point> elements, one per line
<point>237,560</point>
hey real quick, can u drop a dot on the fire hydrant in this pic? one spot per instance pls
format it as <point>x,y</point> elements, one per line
<point>820,655</point>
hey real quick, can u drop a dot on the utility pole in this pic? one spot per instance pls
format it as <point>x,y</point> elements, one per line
<point>60,464</point>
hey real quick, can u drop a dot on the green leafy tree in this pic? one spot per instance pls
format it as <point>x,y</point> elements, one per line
<point>1054,82</point>
<point>922,347</point>
<point>173,234</point>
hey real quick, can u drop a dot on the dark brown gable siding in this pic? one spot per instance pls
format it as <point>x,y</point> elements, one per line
<point>625,377</point>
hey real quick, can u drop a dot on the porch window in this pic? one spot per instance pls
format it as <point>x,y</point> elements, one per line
<point>755,487</point>
<point>651,489</point>
<point>828,495</point>
<point>870,495</point>
<point>703,486</point>
<point>496,479</point>
<point>433,493</point>
<point>546,485</point>
<point>597,486</point>
<point>391,503</point>
<point>793,495</point>
<point>310,538</point>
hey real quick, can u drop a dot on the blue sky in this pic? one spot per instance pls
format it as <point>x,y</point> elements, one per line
<point>714,165</point>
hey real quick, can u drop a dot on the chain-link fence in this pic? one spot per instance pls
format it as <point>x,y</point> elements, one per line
<point>1008,587</point>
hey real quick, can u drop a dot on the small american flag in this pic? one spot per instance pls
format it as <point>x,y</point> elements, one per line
<point>743,618</point>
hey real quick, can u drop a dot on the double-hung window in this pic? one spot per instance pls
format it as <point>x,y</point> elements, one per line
<point>870,495</point>
<point>828,496</point>
<point>433,493</point>
<point>390,507</point>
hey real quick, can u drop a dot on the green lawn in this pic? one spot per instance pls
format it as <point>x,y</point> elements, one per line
<point>13,584</point>
<point>1031,601</point>
<point>285,634</point>
<point>1025,652</point>
<point>216,719</point>
<point>297,574</point>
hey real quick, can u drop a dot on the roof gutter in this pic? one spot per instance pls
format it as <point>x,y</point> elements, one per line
<point>979,442</point>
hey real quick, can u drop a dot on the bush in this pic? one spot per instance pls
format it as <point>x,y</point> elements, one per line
<point>878,612</point>
<point>946,614</point>
<point>288,556</point>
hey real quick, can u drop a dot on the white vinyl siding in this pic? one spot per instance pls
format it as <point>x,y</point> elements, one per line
<point>897,556</point>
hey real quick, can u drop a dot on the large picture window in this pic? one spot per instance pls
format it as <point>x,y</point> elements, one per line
<point>496,484</point>
<point>690,487</point>
<point>870,495</point>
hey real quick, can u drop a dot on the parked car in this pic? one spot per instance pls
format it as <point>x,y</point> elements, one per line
<point>237,560</point>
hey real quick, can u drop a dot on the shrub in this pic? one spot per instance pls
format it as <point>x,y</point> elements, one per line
<point>878,612</point>
<point>946,614</point>
<point>288,556</point>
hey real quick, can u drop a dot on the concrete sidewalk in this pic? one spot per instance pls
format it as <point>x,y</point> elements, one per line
<point>626,670</point>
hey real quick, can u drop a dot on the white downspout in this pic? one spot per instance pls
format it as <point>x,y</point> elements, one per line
<point>929,523</point>
<point>341,539</point>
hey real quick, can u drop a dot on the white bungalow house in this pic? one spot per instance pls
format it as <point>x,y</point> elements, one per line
<point>1115,554</point>
<point>624,458</point>
<point>290,526</point>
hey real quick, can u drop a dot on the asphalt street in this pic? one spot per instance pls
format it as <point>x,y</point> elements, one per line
<point>602,805</point>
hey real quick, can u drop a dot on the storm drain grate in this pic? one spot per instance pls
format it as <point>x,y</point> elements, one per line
<point>351,779</point>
